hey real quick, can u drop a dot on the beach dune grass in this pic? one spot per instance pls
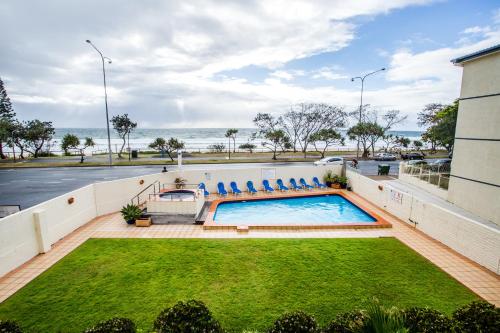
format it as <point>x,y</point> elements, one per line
<point>246,283</point>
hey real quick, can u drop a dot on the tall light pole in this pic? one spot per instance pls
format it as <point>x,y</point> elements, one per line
<point>362,79</point>
<point>105,98</point>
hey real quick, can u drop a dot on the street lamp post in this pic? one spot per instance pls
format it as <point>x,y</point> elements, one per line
<point>105,98</point>
<point>362,79</point>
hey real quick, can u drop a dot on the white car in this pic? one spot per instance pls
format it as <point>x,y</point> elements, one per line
<point>385,157</point>
<point>331,160</point>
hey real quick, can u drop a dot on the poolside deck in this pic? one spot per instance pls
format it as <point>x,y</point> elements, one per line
<point>480,280</point>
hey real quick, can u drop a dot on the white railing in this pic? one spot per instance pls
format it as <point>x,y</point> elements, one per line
<point>438,175</point>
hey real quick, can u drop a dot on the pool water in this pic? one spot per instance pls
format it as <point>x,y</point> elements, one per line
<point>300,210</point>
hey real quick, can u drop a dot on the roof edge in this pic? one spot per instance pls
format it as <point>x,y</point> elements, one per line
<point>475,55</point>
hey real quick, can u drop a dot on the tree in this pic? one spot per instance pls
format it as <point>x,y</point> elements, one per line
<point>328,137</point>
<point>169,147</point>
<point>89,142</point>
<point>427,116</point>
<point>69,141</point>
<point>316,117</point>
<point>291,122</point>
<point>123,126</point>
<point>418,144</point>
<point>365,132</point>
<point>443,126</point>
<point>6,134</point>
<point>158,144</point>
<point>35,134</point>
<point>7,115</point>
<point>276,139</point>
<point>231,133</point>
<point>266,123</point>
<point>248,146</point>
<point>388,120</point>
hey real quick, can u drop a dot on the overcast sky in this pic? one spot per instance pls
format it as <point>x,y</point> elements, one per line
<point>217,63</point>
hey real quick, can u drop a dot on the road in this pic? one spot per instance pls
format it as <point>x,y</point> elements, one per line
<point>30,186</point>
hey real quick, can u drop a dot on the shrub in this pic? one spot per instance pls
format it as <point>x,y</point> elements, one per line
<point>131,212</point>
<point>192,316</point>
<point>382,320</point>
<point>9,327</point>
<point>248,146</point>
<point>118,325</point>
<point>348,322</point>
<point>216,148</point>
<point>295,322</point>
<point>423,320</point>
<point>478,316</point>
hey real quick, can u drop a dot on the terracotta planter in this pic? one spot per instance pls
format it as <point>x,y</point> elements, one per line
<point>336,186</point>
<point>143,222</point>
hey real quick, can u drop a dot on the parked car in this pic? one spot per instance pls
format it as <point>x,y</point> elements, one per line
<point>330,160</point>
<point>412,156</point>
<point>385,157</point>
<point>441,165</point>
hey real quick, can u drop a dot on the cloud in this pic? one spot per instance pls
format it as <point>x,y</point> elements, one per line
<point>167,56</point>
<point>328,73</point>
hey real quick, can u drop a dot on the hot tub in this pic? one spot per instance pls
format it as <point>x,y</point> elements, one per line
<point>178,195</point>
<point>177,202</point>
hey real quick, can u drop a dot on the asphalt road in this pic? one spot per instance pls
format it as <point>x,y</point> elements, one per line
<point>30,186</point>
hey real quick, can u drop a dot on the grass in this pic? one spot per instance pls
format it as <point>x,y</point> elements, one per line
<point>125,162</point>
<point>246,283</point>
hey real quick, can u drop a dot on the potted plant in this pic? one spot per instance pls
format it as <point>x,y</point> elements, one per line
<point>329,178</point>
<point>179,182</point>
<point>130,213</point>
<point>336,183</point>
<point>342,181</point>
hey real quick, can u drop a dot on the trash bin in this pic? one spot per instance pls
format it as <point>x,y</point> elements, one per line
<point>383,169</point>
<point>135,153</point>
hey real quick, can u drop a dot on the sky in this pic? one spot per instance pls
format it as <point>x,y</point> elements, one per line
<point>218,63</point>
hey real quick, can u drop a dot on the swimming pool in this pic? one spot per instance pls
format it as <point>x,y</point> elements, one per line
<point>303,210</point>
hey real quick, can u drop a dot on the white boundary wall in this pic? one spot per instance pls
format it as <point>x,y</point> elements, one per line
<point>25,234</point>
<point>477,241</point>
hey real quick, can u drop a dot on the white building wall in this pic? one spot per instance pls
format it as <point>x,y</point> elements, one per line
<point>479,242</point>
<point>475,169</point>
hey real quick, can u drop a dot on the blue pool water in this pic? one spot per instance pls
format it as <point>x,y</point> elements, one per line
<point>302,210</point>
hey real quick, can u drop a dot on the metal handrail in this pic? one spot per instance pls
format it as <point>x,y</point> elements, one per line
<point>154,191</point>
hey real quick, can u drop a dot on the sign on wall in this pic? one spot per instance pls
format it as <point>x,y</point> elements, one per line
<point>397,196</point>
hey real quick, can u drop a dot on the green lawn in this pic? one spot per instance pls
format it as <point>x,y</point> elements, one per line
<point>247,283</point>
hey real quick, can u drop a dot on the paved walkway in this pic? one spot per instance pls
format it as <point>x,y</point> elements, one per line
<point>481,281</point>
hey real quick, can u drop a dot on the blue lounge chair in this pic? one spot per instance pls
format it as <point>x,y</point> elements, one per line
<point>220,188</point>
<point>251,189</point>
<point>234,188</point>
<point>281,186</point>
<point>305,185</point>
<point>267,187</point>
<point>317,183</point>
<point>202,186</point>
<point>294,185</point>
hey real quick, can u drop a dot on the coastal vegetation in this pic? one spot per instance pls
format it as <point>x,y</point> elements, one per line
<point>123,125</point>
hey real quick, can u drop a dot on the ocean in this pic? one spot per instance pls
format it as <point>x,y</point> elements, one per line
<point>195,139</point>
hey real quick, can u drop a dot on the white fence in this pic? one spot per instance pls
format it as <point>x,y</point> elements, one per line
<point>477,241</point>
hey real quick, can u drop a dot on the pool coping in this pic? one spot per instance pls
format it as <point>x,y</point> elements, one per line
<point>210,224</point>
